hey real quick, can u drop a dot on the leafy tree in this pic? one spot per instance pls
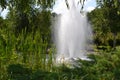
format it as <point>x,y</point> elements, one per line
<point>103,19</point>
<point>28,17</point>
<point>110,8</point>
<point>3,3</point>
<point>115,3</point>
<point>100,26</point>
<point>25,10</point>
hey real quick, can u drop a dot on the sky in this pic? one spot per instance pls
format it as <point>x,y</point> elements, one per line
<point>60,7</point>
<point>3,13</point>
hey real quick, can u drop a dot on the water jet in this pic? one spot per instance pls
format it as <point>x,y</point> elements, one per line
<point>72,34</point>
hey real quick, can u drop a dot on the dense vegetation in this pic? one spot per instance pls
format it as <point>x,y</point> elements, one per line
<point>25,43</point>
<point>105,21</point>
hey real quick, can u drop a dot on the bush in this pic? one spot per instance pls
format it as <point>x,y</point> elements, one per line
<point>18,72</point>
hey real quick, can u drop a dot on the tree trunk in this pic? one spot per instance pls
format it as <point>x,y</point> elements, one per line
<point>114,40</point>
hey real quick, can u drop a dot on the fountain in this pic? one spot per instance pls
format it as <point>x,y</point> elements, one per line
<point>73,34</point>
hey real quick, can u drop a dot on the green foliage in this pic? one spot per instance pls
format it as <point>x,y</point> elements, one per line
<point>25,37</point>
<point>26,51</point>
<point>105,25</point>
<point>18,72</point>
<point>41,75</point>
<point>29,50</point>
<point>3,3</point>
<point>115,3</point>
<point>102,66</point>
<point>46,4</point>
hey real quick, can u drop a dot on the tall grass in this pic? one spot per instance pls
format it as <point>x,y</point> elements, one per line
<point>25,49</point>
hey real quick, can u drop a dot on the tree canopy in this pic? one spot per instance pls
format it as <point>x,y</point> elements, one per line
<point>105,20</point>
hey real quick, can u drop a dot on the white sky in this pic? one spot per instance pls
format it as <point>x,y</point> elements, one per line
<point>60,7</point>
<point>4,12</point>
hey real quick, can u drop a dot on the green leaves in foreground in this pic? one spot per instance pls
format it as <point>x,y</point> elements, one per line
<point>101,66</point>
<point>104,66</point>
<point>19,72</point>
